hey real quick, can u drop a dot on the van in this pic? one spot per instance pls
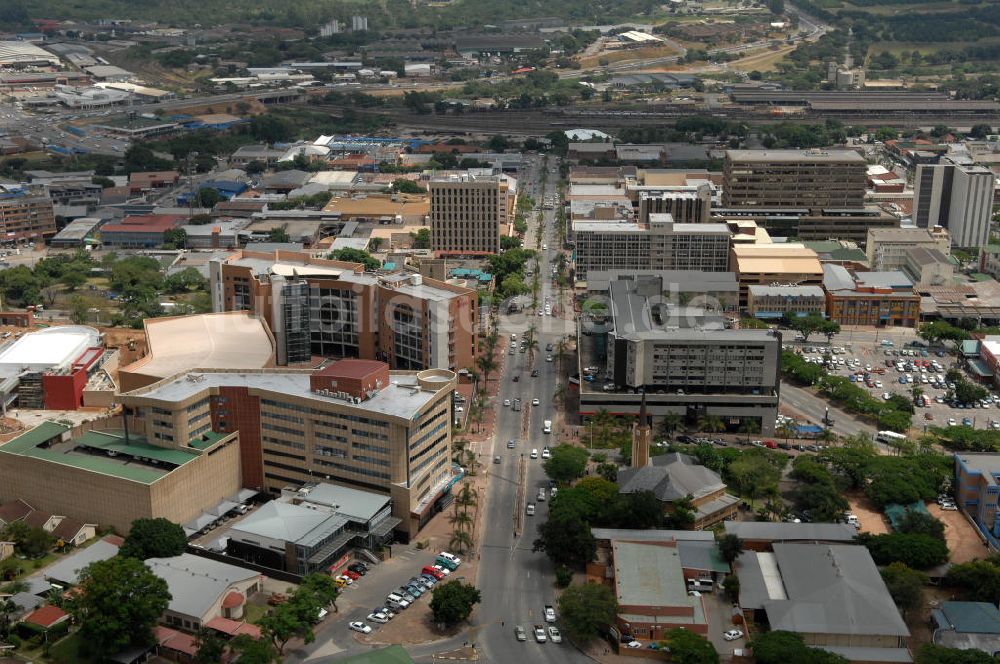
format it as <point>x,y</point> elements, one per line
<point>547,426</point>
<point>701,585</point>
<point>446,563</point>
<point>398,599</point>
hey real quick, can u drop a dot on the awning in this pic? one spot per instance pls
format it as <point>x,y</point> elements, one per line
<point>201,521</point>
<point>386,526</point>
<point>980,368</point>
<point>242,496</point>
<point>224,507</point>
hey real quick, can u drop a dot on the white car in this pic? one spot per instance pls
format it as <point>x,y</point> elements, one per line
<point>535,402</point>
<point>378,618</point>
<point>450,556</point>
<point>534,454</point>
<point>360,627</point>
<point>506,403</point>
<point>548,358</point>
<point>733,634</point>
<point>633,644</point>
<point>540,634</point>
<point>546,454</point>
<point>554,635</point>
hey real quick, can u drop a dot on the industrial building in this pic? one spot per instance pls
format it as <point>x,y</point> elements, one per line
<point>353,422</point>
<point>956,197</point>
<point>467,213</point>
<point>810,179</point>
<point>16,54</point>
<point>323,308</point>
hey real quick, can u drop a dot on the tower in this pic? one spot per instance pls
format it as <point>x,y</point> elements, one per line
<point>641,436</point>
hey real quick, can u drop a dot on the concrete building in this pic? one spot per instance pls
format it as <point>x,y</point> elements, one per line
<point>718,290</point>
<point>144,231</point>
<point>886,247</point>
<point>323,308</point>
<point>114,477</point>
<point>989,260</point>
<point>851,224</point>
<point>832,595</point>
<point>686,207</point>
<point>763,535</point>
<point>467,214</point>
<point>202,589</point>
<point>884,299</point>
<point>928,267</point>
<point>309,529</point>
<point>682,358</point>
<point>773,302</point>
<point>49,368</point>
<point>789,264</point>
<point>659,244</point>
<point>976,479</point>
<point>25,213</point>
<point>811,179</point>
<point>959,198</point>
<point>352,422</point>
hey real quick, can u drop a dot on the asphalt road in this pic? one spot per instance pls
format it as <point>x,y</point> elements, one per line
<point>814,408</point>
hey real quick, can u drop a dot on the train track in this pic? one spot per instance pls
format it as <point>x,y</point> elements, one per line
<point>536,122</point>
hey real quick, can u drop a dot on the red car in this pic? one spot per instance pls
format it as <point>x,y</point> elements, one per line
<point>352,574</point>
<point>770,444</point>
<point>437,574</point>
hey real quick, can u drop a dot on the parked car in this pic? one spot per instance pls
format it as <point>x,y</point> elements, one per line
<point>520,634</point>
<point>378,618</point>
<point>360,627</point>
<point>733,635</point>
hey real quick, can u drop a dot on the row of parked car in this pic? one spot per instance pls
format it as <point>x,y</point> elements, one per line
<point>400,599</point>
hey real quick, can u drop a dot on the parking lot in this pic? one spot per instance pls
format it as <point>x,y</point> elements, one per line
<point>885,369</point>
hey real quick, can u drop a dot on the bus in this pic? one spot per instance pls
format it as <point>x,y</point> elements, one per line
<point>890,437</point>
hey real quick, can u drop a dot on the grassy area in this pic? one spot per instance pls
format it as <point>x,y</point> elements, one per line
<point>254,612</point>
<point>619,55</point>
<point>67,651</point>
<point>762,61</point>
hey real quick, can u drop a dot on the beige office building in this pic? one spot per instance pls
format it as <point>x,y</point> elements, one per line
<point>887,248</point>
<point>789,264</point>
<point>805,179</point>
<point>467,214</point>
<point>354,423</point>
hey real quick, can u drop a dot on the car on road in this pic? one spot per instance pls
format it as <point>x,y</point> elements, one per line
<point>520,634</point>
<point>534,373</point>
<point>548,358</point>
<point>733,635</point>
<point>534,454</point>
<point>546,454</point>
<point>378,618</point>
<point>554,635</point>
<point>540,634</point>
<point>496,459</point>
<point>530,509</point>
<point>511,444</point>
<point>535,402</point>
<point>506,403</point>
<point>359,626</point>
<point>346,580</point>
<point>550,613</point>
<point>549,348</point>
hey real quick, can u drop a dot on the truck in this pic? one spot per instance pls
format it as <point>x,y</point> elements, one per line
<point>550,614</point>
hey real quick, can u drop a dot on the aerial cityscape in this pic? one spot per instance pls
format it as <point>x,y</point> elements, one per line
<point>456,330</point>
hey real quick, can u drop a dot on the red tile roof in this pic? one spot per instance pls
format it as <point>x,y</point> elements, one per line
<point>233,599</point>
<point>46,616</point>
<point>233,627</point>
<point>145,223</point>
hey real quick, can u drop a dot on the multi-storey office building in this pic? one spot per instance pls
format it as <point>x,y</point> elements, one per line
<point>959,198</point>
<point>353,422</point>
<point>467,213</point>
<point>886,248</point>
<point>25,213</point>
<point>659,244</point>
<point>323,308</point>
<point>811,179</point>
<point>683,359</point>
<point>870,298</point>
<point>686,207</point>
<point>789,264</point>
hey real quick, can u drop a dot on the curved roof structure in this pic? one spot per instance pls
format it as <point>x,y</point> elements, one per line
<point>49,348</point>
<point>233,340</point>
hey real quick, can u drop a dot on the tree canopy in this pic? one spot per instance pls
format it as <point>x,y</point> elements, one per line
<point>452,602</point>
<point>686,647</point>
<point>586,610</point>
<point>120,601</point>
<point>351,255</point>
<point>917,551</point>
<point>905,585</point>
<point>154,538</point>
<point>566,463</point>
<point>779,647</point>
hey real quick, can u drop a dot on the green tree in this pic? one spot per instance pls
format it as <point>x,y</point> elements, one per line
<point>567,463</point>
<point>175,238</point>
<point>905,585</point>
<point>254,651</point>
<point>255,167</point>
<point>452,602</point>
<point>154,538</point>
<point>405,186</point>
<point>686,647</point>
<point>806,325</point>
<point>979,579</point>
<point>566,539</point>
<point>209,197</point>
<point>587,609</point>
<point>780,647</point>
<point>350,255</point>
<point>73,279</point>
<point>931,653</point>
<point>120,601</point>
<point>421,239</point>
<point>921,522</point>
<point>730,547</point>
<point>187,280</point>
<point>917,551</point>
<point>210,647</point>
<point>278,235</point>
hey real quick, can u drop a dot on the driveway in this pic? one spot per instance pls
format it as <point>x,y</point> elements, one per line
<point>719,611</point>
<point>964,541</point>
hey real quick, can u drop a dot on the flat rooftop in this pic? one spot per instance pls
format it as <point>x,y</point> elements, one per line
<point>649,575</point>
<point>402,398</point>
<point>796,156</point>
<point>102,452</point>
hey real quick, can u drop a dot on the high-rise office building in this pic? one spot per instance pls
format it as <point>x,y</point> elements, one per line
<point>804,179</point>
<point>467,213</point>
<point>25,213</point>
<point>958,198</point>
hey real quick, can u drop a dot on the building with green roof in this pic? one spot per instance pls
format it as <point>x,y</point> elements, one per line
<point>112,477</point>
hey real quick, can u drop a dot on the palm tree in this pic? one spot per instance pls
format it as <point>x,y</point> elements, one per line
<point>532,346</point>
<point>466,497</point>
<point>750,425</point>
<point>916,392</point>
<point>460,541</point>
<point>460,520</point>
<point>785,430</point>
<point>671,423</point>
<point>486,364</point>
<point>711,424</point>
